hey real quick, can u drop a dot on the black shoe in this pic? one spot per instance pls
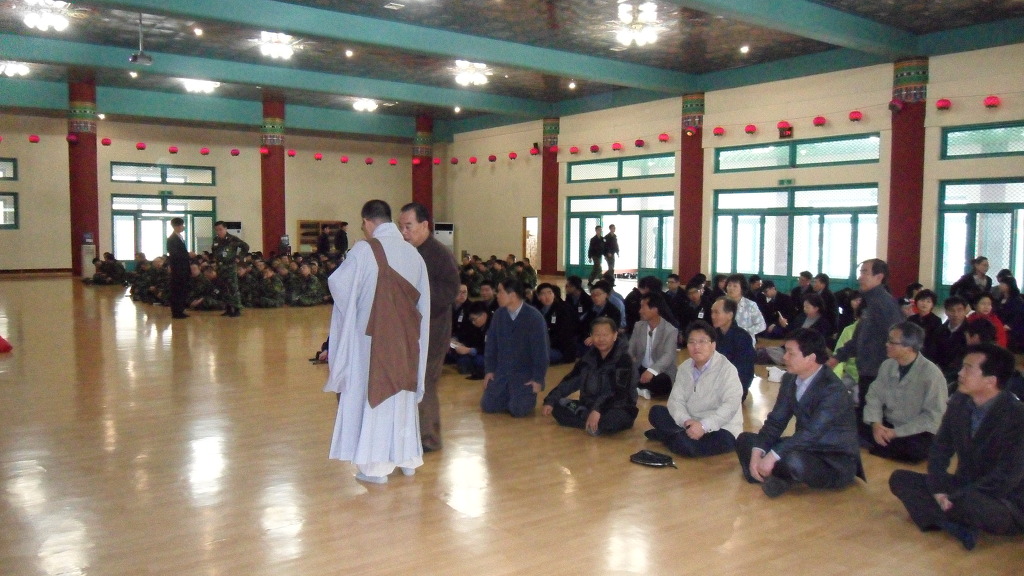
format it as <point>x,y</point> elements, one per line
<point>652,434</point>
<point>227,312</point>
<point>178,316</point>
<point>965,534</point>
<point>774,486</point>
<point>235,313</point>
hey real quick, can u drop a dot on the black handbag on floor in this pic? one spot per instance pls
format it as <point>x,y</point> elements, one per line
<point>652,458</point>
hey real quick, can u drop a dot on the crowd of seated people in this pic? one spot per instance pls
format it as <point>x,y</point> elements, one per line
<point>286,280</point>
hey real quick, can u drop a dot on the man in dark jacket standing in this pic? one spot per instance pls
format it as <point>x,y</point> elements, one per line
<point>595,251</point>
<point>611,248</point>
<point>179,261</point>
<point>984,427</point>
<point>443,274</point>
<point>824,451</point>
<point>341,241</point>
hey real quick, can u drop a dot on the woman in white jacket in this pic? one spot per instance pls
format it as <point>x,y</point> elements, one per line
<point>703,415</point>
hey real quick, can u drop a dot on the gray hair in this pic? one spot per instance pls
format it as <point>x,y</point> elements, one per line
<point>911,335</point>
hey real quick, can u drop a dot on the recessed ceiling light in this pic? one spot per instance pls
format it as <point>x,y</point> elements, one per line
<point>198,31</point>
<point>457,109</point>
<point>133,74</point>
<point>394,6</point>
<point>618,48</point>
<point>572,85</point>
<point>744,49</point>
<point>364,105</point>
<point>349,53</point>
<point>101,116</point>
<point>200,86</point>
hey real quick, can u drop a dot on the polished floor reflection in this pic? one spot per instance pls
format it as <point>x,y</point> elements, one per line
<point>133,445</point>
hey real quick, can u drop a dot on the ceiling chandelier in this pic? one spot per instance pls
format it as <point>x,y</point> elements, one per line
<point>639,24</point>
<point>11,69</point>
<point>277,45</point>
<point>471,73</point>
<point>45,14</point>
<point>200,86</point>
<point>365,105</point>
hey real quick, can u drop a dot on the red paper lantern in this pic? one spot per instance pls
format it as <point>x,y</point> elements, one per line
<point>33,138</point>
<point>595,148</point>
<point>690,131</point>
<point>616,146</point>
<point>416,161</point>
<point>534,151</point>
<point>896,105</point>
<point>663,137</point>
<point>574,150</point>
<point>1,138</point>
<point>512,155</point>
<point>72,138</point>
<point>368,160</point>
<point>819,121</point>
<point>472,159</point>
<point>140,145</point>
<point>437,161</point>
<point>204,151</point>
<point>718,131</point>
<point>454,160</point>
<point>318,156</point>
<point>783,124</point>
<point>856,116</point>
<point>291,153</point>
<point>236,152</point>
<point>943,104</point>
<point>639,143</point>
<point>264,150</point>
<point>750,129</point>
<point>171,149</point>
<point>552,148</point>
<point>105,141</point>
<point>992,102</point>
<point>344,159</point>
<point>492,158</point>
<point>393,161</point>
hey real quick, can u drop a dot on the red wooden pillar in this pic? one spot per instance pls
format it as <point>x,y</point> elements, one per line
<point>690,221</point>
<point>549,213</point>
<point>906,181</point>
<point>82,170</point>
<point>422,167</point>
<point>272,174</point>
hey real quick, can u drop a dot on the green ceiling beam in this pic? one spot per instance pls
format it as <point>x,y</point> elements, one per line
<point>28,93</point>
<point>170,106</point>
<point>811,20</point>
<point>66,53</point>
<point>302,21</point>
<point>796,67</point>
<point>990,35</point>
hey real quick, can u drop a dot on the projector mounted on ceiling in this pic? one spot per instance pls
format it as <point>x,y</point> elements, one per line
<point>140,57</point>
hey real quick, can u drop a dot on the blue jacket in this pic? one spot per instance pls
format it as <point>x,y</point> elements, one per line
<point>517,351</point>
<point>739,349</point>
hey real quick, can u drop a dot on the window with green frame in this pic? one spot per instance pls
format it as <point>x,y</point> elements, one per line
<point>860,149</point>
<point>979,218</point>
<point>650,166</point>
<point>983,140</point>
<point>8,211</point>
<point>163,174</point>
<point>8,169</point>
<point>782,231</point>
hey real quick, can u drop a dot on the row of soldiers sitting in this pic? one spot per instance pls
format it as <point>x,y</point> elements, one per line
<point>474,271</point>
<point>295,280</point>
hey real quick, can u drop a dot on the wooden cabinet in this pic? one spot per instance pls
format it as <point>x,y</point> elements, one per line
<point>309,231</point>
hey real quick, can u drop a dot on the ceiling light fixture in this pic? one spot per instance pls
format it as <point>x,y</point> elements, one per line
<point>11,69</point>
<point>471,73</point>
<point>639,24</point>
<point>572,85</point>
<point>277,45</point>
<point>133,74</point>
<point>197,31</point>
<point>744,49</point>
<point>45,14</point>
<point>200,86</point>
<point>364,105</point>
<point>458,109</point>
<point>349,53</point>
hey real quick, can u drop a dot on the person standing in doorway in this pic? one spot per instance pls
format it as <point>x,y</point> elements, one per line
<point>341,241</point>
<point>179,261</point>
<point>611,249</point>
<point>226,250</point>
<point>595,252</point>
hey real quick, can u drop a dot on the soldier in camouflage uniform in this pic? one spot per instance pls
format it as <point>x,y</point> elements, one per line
<point>308,290</point>
<point>248,285</point>
<point>207,293</point>
<point>226,251</point>
<point>140,283</point>
<point>270,291</point>
<point>288,280</point>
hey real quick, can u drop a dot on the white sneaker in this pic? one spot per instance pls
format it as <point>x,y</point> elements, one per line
<point>371,479</point>
<point>407,471</point>
<point>643,393</point>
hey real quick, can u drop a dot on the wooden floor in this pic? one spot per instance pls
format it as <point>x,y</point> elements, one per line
<point>131,445</point>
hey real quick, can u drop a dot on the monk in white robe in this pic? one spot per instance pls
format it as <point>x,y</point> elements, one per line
<point>378,431</point>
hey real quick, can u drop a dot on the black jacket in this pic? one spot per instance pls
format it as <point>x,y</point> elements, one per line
<point>561,328</point>
<point>603,384</point>
<point>596,248</point>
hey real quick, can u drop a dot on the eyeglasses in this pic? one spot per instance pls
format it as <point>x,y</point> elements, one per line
<point>896,343</point>
<point>698,342</point>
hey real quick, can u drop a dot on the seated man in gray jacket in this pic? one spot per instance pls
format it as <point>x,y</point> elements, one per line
<point>653,347</point>
<point>905,403</point>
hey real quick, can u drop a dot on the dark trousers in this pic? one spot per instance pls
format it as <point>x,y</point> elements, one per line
<point>815,469</point>
<point>913,448</point>
<point>501,395</point>
<point>660,385</point>
<point>595,270</point>
<point>179,292</point>
<point>862,393</point>
<point>610,259</point>
<point>970,507</point>
<point>675,439</point>
<point>574,415</point>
